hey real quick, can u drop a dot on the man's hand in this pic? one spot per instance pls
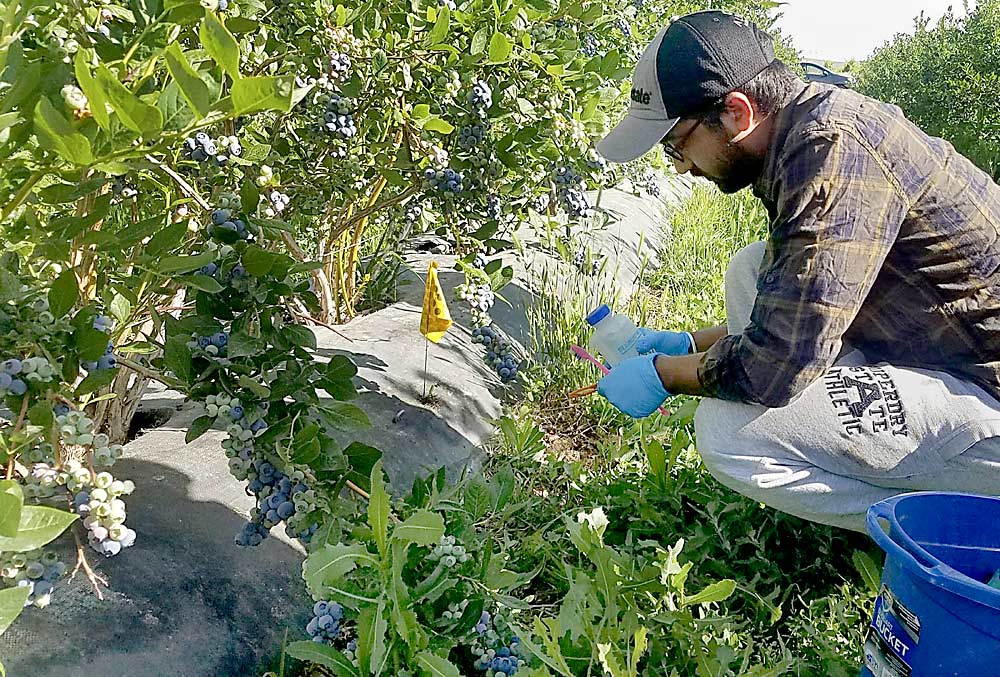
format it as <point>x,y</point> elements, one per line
<point>665,342</point>
<point>634,386</point>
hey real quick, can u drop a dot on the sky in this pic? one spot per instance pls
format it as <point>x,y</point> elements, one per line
<point>852,29</point>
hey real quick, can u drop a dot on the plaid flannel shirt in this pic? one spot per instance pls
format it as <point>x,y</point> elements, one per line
<point>880,236</point>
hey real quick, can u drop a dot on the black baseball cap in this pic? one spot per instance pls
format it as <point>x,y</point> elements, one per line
<point>689,65</point>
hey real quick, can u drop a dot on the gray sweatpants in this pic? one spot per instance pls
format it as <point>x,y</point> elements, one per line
<point>862,433</point>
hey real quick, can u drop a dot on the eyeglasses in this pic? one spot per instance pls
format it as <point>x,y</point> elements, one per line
<point>673,149</point>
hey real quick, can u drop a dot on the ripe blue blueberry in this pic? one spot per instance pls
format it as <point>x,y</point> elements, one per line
<point>18,387</point>
<point>12,366</point>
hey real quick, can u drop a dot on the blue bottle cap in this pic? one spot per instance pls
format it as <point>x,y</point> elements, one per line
<point>598,315</point>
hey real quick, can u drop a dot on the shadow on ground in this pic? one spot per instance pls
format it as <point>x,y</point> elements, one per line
<point>184,600</point>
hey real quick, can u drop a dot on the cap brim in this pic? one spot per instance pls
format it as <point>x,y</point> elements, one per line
<point>633,138</point>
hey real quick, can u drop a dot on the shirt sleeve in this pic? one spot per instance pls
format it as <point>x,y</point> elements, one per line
<point>837,216</point>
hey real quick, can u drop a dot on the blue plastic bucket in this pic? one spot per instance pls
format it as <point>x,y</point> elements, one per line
<point>935,616</point>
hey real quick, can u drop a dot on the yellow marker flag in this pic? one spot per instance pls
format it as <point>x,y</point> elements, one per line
<point>435,318</point>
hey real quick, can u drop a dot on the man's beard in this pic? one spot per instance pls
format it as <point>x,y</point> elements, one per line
<point>742,169</point>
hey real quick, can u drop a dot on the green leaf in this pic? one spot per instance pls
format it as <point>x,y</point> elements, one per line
<point>38,526</point>
<point>40,414</point>
<point>202,282</point>
<point>177,357</point>
<point>95,380</point>
<point>869,570</point>
<point>198,428</point>
<point>254,387</point>
<point>10,286</point>
<point>378,509</point>
<point>436,124</point>
<point>11,502</point>
<point>242,344</point>
<point>133,112</point>
<point>12,604</point>
<point>641,643</point>
<point>441,26</point>
<point>299,335</point>
<point>608,657</point>
<point>90,343</point>
<point>56,134</point>
<point>362,458</point>
<point>120,308</point>
<point>478,44</point>
<point>423,528</point>
<point>330,564</point>
<point>239,24</point>
<point>404,620</point>
<point>657,457</point>
<point>260,93</point>
<point>372,626</point>
<point>184,264</point>
<point>339,390</point>
<point>500,48</point>
<point>95,95</point>
<point>64,293</point>
<point>192,87</point>
<point>343,415</point>
<point>341,368</point>
<point>220,44</point>
<point>716,592</point>
<point>257,261</point>
<point>249,196</point>
<point>434,665</point>
<point>322,654</point>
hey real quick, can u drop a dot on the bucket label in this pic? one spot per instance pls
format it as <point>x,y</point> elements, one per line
<point>892,637</point>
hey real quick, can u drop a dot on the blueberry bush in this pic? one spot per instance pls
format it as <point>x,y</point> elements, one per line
<point>944,76</point>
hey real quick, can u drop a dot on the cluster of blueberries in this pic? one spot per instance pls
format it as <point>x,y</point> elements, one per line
<point>494,207</point>
<point>226,219</point>
<point>275,493</point>
<point>470,136</point>
<point>36,570</point>
<point>237,272</point>
<point>500,661</point>
<point>589,45</point>
<point>570,187</point>
<point>339,65</point>
<point>107,361</point>
<point>201,147</point>
<point>580,261</point>
<point>279,201</point>
<point>624,28</point>
<point>339,117</point>
<point>324,627</point>
<point>9,383</point>
<point>480,97</point>
<point>215,345</point>
<point>499,352</point>
<point>443,180</point>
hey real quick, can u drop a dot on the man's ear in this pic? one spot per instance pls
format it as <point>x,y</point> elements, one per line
<point>739,116</point>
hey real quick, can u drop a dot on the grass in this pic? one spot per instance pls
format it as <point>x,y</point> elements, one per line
<point>687,288</point>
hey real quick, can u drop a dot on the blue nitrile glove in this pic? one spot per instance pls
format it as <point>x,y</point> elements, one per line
<point>665,342</point>
<point>634,387</point>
